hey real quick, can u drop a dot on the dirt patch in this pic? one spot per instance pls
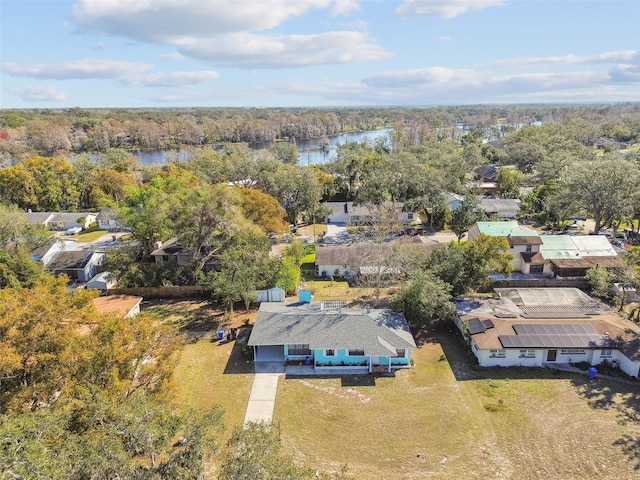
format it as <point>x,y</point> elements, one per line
<point>198,318</point>
<point>349,393</point>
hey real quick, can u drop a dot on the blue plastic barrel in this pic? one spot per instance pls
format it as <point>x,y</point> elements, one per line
<point>307,360</point>
<point>592,373</point>
<point>220,334</point>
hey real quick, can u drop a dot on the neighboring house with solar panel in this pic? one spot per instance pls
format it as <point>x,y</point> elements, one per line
<point>534,327</point>
<point>328,337</point>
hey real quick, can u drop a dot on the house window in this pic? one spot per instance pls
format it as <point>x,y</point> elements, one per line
<point>528,248</point>
<point>330,352</point>
<point>529,353</point>
<point>497,353</point>
<point>572,351</point>
<point>356,352</point>
<point>605,352</point>
<point>400,353</point>
<point>410,216</point>
<point>165,258</point>
<point>299,349</point>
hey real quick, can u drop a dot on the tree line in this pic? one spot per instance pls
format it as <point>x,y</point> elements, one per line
<point>24,133</point>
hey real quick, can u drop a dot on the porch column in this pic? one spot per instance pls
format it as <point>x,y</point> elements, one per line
<point>389,358</point>
<point>370,370</point>
<point>254,353</point>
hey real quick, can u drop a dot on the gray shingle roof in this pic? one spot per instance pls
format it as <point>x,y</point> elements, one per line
<point>378,332</point>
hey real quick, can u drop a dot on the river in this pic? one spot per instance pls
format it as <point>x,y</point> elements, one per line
<point>311,150</point>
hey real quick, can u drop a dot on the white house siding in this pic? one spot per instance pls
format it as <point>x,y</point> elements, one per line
<point>512,358</point>
<point>334,270</point>
<point>628,366</point>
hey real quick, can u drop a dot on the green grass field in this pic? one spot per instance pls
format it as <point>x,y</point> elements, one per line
<point>89,236</point>
<point>445,418</point>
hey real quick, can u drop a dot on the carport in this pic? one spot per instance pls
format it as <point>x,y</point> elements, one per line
<point>269,353</point>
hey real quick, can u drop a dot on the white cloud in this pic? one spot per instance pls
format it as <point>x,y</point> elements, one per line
<point>231,32</point>
<point>445,38</point>
<point>173,56</point>
<point>444,8</point>
<point>277,51</point>
<point>624,56</point>
<point>169,20</point>
<point>173,79</point>
<point>45,93</point>
<point>98,46</point>
<point>425,76</point>
<point>84,69</point>
<point>344,7</point>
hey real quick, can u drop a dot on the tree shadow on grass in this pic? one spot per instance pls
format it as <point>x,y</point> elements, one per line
<point>195,318</point>
<point>238,362</point>
<point>358,381</point>
<point>624,400</point>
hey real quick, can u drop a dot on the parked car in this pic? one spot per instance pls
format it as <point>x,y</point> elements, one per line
<point>73,230</point>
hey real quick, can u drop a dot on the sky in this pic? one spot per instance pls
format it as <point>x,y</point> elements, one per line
<point>324,53</point>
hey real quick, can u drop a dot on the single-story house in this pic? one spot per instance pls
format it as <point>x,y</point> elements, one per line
<point>349,261</point>
<point>66,220</point>
<point>38,218</point>
<point>80,265</point>
<point>108,219</point>
<point>46,252</point>
<point>328,336</point>
<point>499,207</point>
<point>535,327</point>
<point>485,178</point>
<point>348,212</point>
<point>125,305</point>
<point>491,206</point>
<point>171,251</point>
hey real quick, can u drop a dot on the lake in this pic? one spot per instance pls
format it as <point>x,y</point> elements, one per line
<point>311,150</point>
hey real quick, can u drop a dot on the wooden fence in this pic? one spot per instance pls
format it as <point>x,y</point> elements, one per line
<point>535,283</point>
<point>163,292</point>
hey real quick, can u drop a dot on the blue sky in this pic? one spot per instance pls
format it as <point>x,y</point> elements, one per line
<point>208,53</point>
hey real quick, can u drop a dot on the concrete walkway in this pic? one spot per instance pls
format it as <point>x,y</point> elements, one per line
<point>263,392</point>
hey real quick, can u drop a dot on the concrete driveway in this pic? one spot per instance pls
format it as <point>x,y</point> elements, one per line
<point>263,392</point>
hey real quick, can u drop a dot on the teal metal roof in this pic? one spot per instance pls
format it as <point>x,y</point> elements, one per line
<point>568,247</point>
<point>557,247</point>
<point>503,229</point>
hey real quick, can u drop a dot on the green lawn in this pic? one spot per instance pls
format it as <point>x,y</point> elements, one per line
<point>445,418</point>
<point>428,422</point>
<point>89,236</point>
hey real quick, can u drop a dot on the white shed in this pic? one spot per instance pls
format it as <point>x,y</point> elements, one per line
<point>275,294</point>
<point>102,281</point>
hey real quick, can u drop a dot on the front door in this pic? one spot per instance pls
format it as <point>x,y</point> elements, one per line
<point>551,355</point>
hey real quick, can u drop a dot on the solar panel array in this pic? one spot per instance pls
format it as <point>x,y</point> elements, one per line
<point>555,329</point>
<point>551,336</point>
<point>476,325</point>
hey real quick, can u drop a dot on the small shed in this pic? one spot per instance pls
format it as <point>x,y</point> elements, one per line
<point>102,281</point>
<point>275,294</point>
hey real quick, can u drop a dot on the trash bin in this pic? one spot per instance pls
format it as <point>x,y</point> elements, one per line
<point>592,373</point>
<point>307,360</point>
<point>220,334</point>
